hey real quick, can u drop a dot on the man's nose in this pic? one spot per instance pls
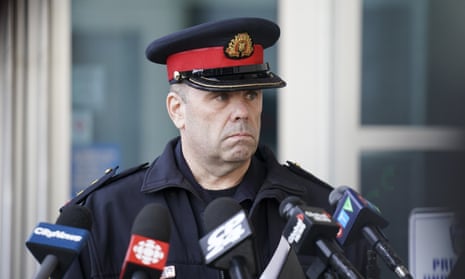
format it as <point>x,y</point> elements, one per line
<point>240,110</point>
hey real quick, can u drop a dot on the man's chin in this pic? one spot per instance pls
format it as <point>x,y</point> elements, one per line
<point>241,152</point>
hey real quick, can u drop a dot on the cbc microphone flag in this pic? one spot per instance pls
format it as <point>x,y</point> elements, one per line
<point>147,252</point>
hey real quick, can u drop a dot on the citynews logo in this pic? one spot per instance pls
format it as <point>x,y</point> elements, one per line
<point>57,234</point>
<point>297,230</point>
<point>227,234</point>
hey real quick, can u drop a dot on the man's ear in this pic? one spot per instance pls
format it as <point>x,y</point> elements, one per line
<point>175,107</point>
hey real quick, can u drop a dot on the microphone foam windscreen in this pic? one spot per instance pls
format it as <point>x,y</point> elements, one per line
<point>154,222</point>
<point>337,194</point>
<point>219,211</point>
<point>75,216</point>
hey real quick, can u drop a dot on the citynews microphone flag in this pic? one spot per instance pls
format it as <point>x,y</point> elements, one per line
<point>59,236</point>
<point>62,242</point>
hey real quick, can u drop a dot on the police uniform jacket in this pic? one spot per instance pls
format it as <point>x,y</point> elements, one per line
<point>116,199</point>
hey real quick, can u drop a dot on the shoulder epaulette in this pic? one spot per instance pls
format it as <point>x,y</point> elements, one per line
<point>109,176</point>
<point>295,168</point>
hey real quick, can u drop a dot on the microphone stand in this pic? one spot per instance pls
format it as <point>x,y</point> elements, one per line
<point>372,268</point>
<point>48,265</point>
<point>316,269</point>
<point>139,274</point>
<point>238,269</point>
<point>334,260</point>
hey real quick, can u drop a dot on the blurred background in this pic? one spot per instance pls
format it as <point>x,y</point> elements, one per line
<point>375,98</point>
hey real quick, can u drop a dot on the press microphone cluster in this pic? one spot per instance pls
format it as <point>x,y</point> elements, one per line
<point>148,248</point>
<point>55,246</point>
<point>228,244</point>
<point>312,231</point>
<point>360,218</point>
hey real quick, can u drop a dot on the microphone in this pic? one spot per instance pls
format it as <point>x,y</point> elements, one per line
<point>228,245</point>
<point>56,245</point>
<point>358,217</point>
<point>149,244</point>
<point>311,231</point>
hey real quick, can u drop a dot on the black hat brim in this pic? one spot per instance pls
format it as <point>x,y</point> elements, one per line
<point>247,82</point>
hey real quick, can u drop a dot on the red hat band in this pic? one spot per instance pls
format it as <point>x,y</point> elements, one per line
<point>209,58</point>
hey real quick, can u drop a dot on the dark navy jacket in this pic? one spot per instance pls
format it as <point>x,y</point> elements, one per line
<point>116,199</point>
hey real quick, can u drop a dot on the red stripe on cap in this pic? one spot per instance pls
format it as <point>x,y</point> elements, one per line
<point>208,58</point>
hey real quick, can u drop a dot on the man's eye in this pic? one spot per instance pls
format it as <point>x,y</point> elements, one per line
<point>221,97</point>
<point>251,95</point>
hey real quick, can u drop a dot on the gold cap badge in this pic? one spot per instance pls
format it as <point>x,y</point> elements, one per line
<point>240,46</point>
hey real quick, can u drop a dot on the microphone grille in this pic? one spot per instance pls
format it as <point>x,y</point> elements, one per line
<point>220,210</point>
<point>153,221</point>
<point>336,195</point>
<point>76,216</point>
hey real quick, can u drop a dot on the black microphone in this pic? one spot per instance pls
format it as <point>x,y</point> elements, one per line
<point>228,245</point>
<point>56,245</point>
<point>311,231</point>
<point>149,245</point>
<point>359,217</point>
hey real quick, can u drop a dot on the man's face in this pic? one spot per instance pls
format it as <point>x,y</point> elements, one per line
<point>221,126</point>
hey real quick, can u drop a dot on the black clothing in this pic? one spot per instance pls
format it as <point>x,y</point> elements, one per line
<point>115,203</point>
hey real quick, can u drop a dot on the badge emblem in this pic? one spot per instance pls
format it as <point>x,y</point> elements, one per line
<point>241,46</point>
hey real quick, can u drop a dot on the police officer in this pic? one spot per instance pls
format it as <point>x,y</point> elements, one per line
<point>217,76</point>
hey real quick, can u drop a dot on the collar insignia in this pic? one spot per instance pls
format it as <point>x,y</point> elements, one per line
<point>241,46</point>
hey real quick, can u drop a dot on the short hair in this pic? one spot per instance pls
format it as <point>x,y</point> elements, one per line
<point>180,89</point>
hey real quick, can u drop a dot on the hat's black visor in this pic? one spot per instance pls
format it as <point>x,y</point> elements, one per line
<point>247,77</point>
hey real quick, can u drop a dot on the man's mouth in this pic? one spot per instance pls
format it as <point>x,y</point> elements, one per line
<point>240,135</point>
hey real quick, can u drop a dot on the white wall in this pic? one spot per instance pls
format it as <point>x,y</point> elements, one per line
<point>35,111</point>
<point>318,110</point>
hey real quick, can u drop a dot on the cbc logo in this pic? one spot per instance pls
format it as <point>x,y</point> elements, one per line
<point>148,252</point>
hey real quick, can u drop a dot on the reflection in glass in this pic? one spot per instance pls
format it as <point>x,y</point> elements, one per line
<point>413,63</point>
<point>398,182</point>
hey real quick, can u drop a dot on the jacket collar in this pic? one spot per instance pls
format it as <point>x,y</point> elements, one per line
<point>164,172</point>
<point>278,176</point>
